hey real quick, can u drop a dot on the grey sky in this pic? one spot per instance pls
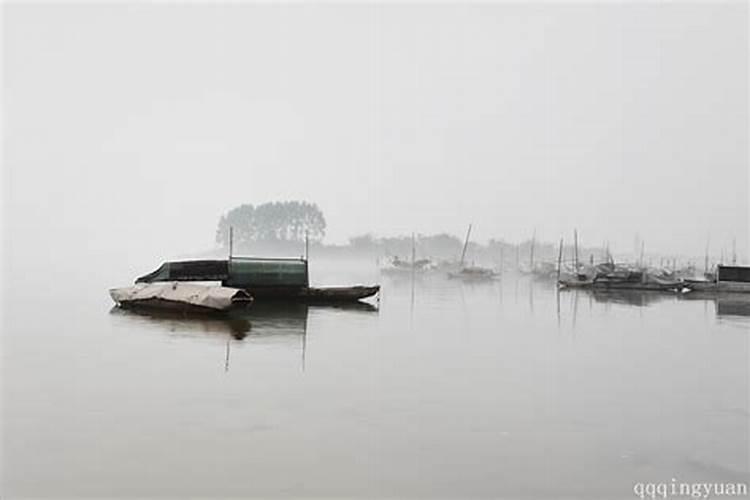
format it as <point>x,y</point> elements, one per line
<point>137,126</point>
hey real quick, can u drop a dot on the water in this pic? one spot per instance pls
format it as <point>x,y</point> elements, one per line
<point>503,390</point>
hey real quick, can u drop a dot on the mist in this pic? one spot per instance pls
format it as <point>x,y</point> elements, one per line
<point>130,129</point>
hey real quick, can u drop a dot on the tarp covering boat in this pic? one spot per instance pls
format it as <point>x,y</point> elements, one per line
<point>239,272</point>
<point>176,295</point>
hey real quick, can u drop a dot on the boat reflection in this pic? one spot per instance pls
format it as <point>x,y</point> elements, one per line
<point>637,298</point>
<point>736,305</point>
<point>186,323</point>
<point>265,322</point>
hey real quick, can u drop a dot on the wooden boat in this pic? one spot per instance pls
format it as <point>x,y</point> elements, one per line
<point>175,296</point>
<point>399,267</point>
<point>635,280</point>
<point>471,273</point>
<point>339,294</point>
<point>474,274</point>
<point>263,278</point>
<point>576,282</point>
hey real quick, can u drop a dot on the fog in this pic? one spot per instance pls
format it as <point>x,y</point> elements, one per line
<point>132,128</point>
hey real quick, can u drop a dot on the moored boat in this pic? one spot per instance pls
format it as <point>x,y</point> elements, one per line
<point>474,273</point>
<point>263,278</point>
<point>729,279</point>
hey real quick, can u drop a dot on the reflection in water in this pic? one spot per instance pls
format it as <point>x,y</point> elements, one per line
<point>733,306</point>
<point>638,298</point>
<point>187,323</point>
<point>263,320</point>
<point>496,391</point>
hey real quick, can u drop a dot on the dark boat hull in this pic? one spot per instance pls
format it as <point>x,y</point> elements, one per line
<point>614,285</point>
<point>315,295</point>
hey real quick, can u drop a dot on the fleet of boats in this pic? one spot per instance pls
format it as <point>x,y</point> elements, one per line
<point>220,285</point>
<point>732,279</point>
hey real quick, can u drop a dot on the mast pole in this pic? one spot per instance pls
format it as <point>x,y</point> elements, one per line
<point>466,245</point>
<point>231,241</point>
<point>559,260</point>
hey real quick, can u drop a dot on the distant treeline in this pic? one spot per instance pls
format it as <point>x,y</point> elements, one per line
<point>281,228</point>
<point>278,223</point>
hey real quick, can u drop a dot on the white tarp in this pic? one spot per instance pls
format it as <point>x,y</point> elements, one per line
<point>212,297</point>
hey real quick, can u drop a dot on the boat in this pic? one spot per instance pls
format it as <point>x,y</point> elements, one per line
<point>474,273</point>
<point>396,266</point>
<point>576,281</point>
<point>263,278</point>
<point>727,279</point>
<point>181,297</point>
<point>626,279</point>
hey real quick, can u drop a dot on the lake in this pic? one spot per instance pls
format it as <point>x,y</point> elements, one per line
<point>443,389</point>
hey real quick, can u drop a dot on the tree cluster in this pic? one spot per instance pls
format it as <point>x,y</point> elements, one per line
<point>280,221</point>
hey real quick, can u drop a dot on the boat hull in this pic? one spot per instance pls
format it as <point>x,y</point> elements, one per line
<point>315,295</point>
<point>718,287</point>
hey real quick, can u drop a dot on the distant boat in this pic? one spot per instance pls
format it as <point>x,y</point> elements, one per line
<point>474,273</point>
<point>263,278</point>
<point>471,273</point>
<point>397,266</point>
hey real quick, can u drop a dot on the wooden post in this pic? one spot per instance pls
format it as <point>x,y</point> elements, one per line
<point>531,251</point>
<point>575,236</point>
<point>307,246</point>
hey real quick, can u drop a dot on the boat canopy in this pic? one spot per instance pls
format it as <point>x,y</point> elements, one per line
<point>239,272</point>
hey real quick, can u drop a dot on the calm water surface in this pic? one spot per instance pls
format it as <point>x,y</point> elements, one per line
<point>448,389</point>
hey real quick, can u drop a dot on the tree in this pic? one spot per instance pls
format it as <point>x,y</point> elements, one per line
<point>274,221</point>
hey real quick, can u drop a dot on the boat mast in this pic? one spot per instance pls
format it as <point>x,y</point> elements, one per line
<point>559,260</point>
<point>413,252</point>
<point>231,244</point>
<point>531,251</point>
<point>705,258</point>
<point>307,245</point>
<point>466,245</point>
<point>231,238</point>
<point>643,247</point>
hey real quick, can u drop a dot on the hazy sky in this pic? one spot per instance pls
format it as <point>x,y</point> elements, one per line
<point>137,126</point>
